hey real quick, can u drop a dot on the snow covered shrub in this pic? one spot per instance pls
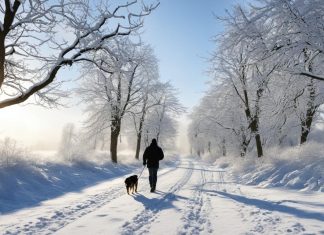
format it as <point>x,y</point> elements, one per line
<point>78,147</point>
<point>72,148</point>
<point>10,152</point>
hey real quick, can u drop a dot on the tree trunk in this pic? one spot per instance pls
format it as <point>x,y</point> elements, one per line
<point>244,142</point>
<point>139,136</point>
<point>259,145</point>
<point>243,150</point>
<point>255,131</point>
<point>305,129</point>
<point>160,122</point>
<point>2,58</point>
<point>244,146</point>
<point>253,120</point>
<point>306,122</point>
<point>140,131</point>
<point>147,138</point>
<point>9,16</point>
<point>114,134</point>
<point>224,147</point>
<point>138,145</point>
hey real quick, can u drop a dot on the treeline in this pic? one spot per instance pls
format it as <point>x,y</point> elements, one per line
<point>267,79</point>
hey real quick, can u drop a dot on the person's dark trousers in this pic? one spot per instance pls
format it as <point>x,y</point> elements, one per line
<point>153,177</point>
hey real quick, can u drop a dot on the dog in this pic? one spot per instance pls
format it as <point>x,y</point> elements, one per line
<point>131,184</point>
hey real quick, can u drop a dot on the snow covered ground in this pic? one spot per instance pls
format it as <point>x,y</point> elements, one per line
<point>299,167</point>
<point>192,197</point>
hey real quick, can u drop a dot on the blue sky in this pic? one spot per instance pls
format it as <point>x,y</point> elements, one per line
<point>181,32</point>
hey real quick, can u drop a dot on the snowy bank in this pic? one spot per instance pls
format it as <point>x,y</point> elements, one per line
<point>299,168</point>
<point>26,183</point>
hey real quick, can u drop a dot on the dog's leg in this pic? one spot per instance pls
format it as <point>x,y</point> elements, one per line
<point>128,190</point>
<point>136,187</point>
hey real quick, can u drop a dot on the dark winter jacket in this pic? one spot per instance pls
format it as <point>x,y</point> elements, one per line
<point>152,155</point>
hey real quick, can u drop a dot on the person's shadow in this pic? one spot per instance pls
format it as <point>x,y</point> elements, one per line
<point>161,202</point>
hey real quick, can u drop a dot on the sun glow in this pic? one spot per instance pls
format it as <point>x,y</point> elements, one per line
<point>36,127</point>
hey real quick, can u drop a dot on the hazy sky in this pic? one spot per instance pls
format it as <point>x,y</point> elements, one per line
<point>180,32</point>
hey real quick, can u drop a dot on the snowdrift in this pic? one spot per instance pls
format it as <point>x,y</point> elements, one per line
<point>299,168</point>
<point>24,185</point>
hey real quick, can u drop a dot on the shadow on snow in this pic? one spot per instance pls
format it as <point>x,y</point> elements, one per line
<point>23,186</point>
<point>270,206</point>
<point>165,201</point>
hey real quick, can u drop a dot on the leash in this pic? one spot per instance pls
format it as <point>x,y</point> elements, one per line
<point>141,172</point>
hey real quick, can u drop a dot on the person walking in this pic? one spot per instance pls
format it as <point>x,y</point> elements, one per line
<point>152,155</point>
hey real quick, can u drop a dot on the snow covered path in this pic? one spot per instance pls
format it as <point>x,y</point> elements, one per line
<point>191,198</point>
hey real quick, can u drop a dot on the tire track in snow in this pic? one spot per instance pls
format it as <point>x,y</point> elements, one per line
<point>54,220</point>
<point>195,219</point>
<point>141,223</point>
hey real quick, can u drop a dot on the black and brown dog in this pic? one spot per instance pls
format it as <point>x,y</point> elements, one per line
<point>131,184</point>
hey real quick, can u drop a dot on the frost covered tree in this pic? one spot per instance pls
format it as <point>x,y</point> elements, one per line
<point>161,119</point>
<point>249,78</point>
<point>155,116</point>
<point>295,37</point>
<point>39,38</point>
<point>218,123</point>
<point>117,88</point>
<point>165,128</point>
<point>268,64</point>
<point>149,99</point>
<point>303,99</point>
<point>294,26</point>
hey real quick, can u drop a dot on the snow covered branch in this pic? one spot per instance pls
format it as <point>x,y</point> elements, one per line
<point>39,38</point>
